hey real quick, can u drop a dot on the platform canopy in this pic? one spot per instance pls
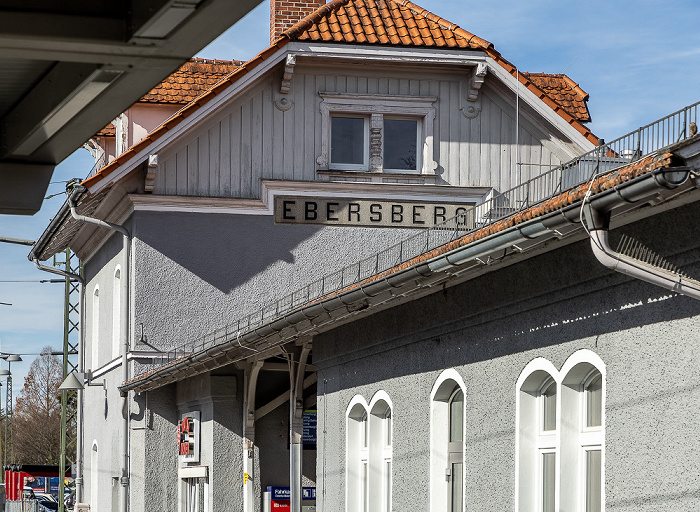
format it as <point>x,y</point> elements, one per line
<point>69,68</point>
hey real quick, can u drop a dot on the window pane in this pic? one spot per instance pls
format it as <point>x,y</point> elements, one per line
<point>456,489</point>
<point>549,407</point>
<point>387,484</point>
<point>364,494</point>
<point>548,462</point>
<point>387,423</point>
<point>456,416</point>
<point>593,478</point>
<point>400,136</point>
<point>364,431</point>
<point>594,402</point>
<point>348,140</point>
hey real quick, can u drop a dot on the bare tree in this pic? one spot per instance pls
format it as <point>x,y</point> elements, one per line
<point>37,416</point>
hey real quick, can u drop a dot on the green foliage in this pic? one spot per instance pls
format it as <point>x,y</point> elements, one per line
<point>37,415</point>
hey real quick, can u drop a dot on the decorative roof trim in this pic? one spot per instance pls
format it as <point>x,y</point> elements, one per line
<point>288,36</point>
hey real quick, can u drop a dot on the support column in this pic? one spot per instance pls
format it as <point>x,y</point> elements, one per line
<point>250,383</point>
<point>296,426</point>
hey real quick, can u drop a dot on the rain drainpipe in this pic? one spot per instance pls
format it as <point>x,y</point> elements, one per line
<point>126,248</point>
<point>644,268</point>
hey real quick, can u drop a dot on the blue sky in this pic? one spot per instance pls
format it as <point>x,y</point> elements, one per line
<point>639,61</point>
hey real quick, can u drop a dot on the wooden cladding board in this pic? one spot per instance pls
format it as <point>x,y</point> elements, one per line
<point>255,140</point>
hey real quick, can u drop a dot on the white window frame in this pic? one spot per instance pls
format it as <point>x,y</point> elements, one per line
<point>444,388</point>
<point>531,441</point>
<point>577,439</point>
<point>571,440</point>
<point>356,455</point>
<point>95,332</point>
<point>194,480</point>
<point>116,312</point>
<point>373,107</point>
<point>380,453</point>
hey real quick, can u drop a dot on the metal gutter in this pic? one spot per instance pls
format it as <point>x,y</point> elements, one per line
<point>374,293</point>
<point>55,224</point>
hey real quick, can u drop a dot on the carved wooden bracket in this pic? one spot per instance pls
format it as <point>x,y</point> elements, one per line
<point>476,81</point>
<point>151,173</point>
<point>288,73</point>
<point>472,109</point>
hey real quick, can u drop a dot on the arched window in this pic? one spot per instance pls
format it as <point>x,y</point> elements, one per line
<point>560,435</point>
<point>94,475</point>
<point>583,431</point>
<point>447,443</point>
<point>369,454</point>
<point>116,312</point>
<point>357,452</point>
<point>537,437</point>
<point>380,452</point>
<point>95,327</point>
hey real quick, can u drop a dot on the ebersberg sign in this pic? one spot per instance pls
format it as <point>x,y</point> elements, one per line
<point>367,212</point>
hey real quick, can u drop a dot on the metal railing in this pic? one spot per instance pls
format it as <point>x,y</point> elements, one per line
<point>620,152</point>
<point>99,164</point>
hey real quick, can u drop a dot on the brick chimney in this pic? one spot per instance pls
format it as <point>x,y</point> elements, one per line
<point>285,13</point>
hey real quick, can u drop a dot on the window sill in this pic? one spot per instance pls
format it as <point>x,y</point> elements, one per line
<point>412,178</point>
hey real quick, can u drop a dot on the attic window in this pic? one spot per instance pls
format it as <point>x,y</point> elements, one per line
<point>364,132</point>
<point>349,142</point>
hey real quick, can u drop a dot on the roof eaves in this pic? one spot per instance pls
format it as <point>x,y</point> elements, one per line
<point>567,199</point>
<point>186,111</point>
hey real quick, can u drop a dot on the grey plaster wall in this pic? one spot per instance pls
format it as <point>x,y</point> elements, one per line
<point>99,273</point>
<point>217,400</point>
<point>488,329</point>
<point>196,273</point>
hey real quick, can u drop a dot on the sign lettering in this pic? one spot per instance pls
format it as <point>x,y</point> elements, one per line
<point>368,212</point>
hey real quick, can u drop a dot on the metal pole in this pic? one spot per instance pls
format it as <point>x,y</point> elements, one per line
<point>71,323</point>
<point>8,418</point>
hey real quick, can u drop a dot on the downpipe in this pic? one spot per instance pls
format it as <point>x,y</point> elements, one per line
<point>124,282</point>
<point>604,253</point>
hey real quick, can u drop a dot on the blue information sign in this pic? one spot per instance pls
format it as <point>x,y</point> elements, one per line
<point>283,493</point>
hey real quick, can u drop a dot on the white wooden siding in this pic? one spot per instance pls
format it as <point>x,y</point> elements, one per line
<point>253,139</point>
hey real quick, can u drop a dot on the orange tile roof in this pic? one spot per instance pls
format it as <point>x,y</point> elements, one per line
<point>190,80</point>
<point>108,131</point>
<point>565,92</point>
<point>395,22</point>
<point>325,16</point>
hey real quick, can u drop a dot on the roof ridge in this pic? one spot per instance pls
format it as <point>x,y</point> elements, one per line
<point>200,60</point>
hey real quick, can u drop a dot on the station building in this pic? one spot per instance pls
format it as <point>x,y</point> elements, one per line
<point>370,269</point>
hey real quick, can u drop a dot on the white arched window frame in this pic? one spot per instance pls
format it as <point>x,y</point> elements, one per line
<point>380,451</point>
<point>94,476</point>
<point>447,432</point>
<point>583,432</point>
<point>116,312</point>
<point>537,438</point>
<point>95,328</point>
<point>357,455</point>
<point>576,466</point>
